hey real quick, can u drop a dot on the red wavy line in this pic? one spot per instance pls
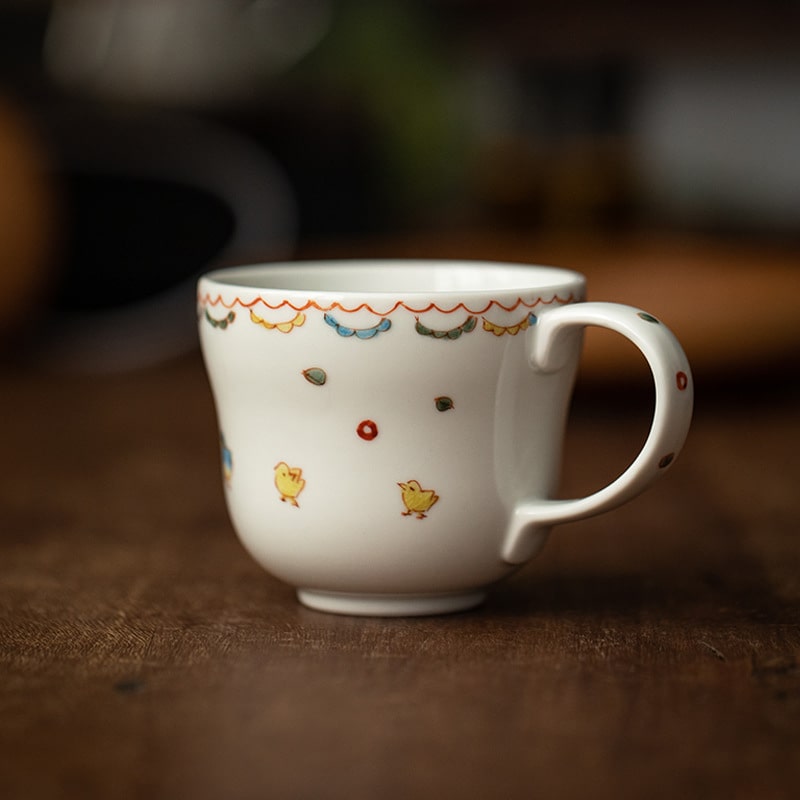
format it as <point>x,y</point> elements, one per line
<point>207,300</point>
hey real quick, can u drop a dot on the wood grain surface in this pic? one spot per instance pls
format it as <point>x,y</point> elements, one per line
<point>652,652</point>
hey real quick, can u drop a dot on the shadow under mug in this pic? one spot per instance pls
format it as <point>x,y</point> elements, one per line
<point>391,431</point>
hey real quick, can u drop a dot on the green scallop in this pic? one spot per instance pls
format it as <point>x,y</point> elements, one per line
<point>221,323</point>
<point>453,333</point>
<point>315,375</point>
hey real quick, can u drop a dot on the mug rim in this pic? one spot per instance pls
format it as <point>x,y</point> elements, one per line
<point>410,277</point>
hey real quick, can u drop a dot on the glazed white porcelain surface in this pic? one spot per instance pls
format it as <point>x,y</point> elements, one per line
<point>391,431</point>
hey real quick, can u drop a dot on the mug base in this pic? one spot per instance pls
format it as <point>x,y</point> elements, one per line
<point>389,605</point>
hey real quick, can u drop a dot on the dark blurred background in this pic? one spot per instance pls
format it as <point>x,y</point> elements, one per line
<point>144,141</point>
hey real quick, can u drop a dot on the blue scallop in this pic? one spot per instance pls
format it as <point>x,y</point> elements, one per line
<point>332,322</point>
<point>362,333</point>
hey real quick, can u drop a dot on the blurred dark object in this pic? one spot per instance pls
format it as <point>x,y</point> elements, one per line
<point>151,200</point>
<point>715,141</point>
<point>405,114</point>
<point>27,218</point>
<point>141,235</point>
<point>173,53</point>
<point>551,142</point>
<point>659,114</point>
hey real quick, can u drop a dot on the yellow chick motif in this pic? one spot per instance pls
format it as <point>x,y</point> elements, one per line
<point>416,499</point>
<point>289,482</point>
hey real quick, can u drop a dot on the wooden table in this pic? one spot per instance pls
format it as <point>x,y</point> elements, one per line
<point>652,652</point>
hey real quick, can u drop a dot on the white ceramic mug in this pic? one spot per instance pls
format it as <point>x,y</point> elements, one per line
<point>391,431</point>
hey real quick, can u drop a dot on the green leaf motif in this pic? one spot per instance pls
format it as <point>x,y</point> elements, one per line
<point>315,375</point>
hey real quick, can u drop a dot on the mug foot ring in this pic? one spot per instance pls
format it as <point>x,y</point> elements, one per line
<point>389,605</point>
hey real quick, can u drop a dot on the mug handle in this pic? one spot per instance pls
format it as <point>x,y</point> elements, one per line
<point>551,342</point>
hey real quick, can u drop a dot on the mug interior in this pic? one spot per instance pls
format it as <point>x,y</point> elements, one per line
<point>395,276</point>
